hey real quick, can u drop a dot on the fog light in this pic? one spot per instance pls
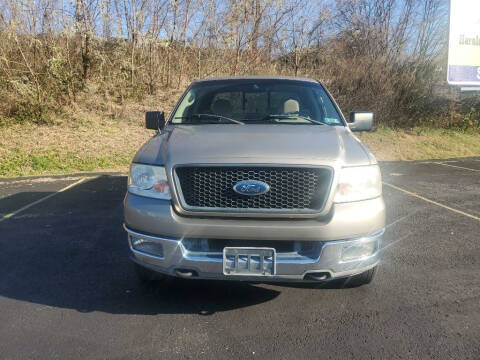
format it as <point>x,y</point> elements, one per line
<point>359,250</point>
<point>146,246</point>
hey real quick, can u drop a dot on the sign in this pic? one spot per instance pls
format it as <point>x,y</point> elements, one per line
<point>464,43</point>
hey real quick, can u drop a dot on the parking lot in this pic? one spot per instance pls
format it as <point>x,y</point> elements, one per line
<point>68,289</point>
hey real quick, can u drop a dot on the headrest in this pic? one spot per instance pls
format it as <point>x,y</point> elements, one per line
<point>291,106</point>
<point>222,107</point>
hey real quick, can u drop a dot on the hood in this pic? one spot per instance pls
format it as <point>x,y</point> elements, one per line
<point>255,144</point>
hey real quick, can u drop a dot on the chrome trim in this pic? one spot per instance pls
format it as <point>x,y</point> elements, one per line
<point>287,268</point>
<point>182,208</point>
<point>142,235</point>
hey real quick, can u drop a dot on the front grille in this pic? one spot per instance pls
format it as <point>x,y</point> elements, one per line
<point>291,188</point>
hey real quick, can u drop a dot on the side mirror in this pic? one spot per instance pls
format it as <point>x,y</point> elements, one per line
<point>361,121</point>
<point>154,120</point>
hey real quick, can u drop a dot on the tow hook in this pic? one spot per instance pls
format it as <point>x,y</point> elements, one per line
<point>185,273</point>
<point>320,276</point>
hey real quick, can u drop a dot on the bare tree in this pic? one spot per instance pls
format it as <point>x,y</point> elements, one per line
<point>384,54</point>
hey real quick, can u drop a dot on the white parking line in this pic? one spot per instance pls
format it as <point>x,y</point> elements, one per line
<point>455,166</point>
<point>8,216</point>
<point>432,202</point>
<point>43,179</point>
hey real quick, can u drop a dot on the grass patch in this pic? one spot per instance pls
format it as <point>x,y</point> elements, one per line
<point>55,162</point>
<point>422,143</point>
<point>95,143</point>
<point>98,144</point>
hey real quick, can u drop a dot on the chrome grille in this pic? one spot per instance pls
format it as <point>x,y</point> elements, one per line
<point>291,188</point>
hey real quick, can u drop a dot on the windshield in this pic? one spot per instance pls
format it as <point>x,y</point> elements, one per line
<point>256,102</point>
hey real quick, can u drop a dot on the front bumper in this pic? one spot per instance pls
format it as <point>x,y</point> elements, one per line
<point>343,221</point>
<point>173,258</point>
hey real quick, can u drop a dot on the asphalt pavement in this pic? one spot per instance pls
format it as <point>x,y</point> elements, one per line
<point>68,289</point>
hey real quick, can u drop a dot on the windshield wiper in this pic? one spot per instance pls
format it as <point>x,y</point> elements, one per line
<point>214,116</point>
<point>290,116</point>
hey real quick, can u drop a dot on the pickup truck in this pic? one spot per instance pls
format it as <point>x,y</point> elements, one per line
<point>256,179</point>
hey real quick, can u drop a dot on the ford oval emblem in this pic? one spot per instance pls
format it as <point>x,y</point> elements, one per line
<point>251,187</point>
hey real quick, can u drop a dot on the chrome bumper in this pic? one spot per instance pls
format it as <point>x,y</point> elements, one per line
<point>171,256</point>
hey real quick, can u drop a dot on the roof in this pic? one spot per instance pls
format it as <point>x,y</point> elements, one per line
<point>256,77</point>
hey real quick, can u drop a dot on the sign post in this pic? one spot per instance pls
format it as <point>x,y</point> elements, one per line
<point>464,43</point>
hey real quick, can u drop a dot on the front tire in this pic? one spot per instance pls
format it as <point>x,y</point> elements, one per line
<point>360,279</point>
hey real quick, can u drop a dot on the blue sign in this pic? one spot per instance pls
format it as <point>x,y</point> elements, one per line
<point>463,73</point>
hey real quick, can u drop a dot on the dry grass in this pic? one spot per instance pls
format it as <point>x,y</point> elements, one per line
<point>88,142</point>
<point>27,150</point>
<point>81,140</point>
<point>422,143</point>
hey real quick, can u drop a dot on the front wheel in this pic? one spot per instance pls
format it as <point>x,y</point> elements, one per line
<point>360,279</point>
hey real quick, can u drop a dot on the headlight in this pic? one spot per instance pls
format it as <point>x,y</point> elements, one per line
<point>150,181</point>
<point>359,183</point>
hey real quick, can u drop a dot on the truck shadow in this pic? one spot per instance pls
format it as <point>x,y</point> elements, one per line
<point>70,251</point>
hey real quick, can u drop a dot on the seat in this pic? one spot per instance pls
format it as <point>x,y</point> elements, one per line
<point>222,107</point>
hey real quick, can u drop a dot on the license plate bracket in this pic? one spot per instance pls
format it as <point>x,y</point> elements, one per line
<point>249,261</point>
